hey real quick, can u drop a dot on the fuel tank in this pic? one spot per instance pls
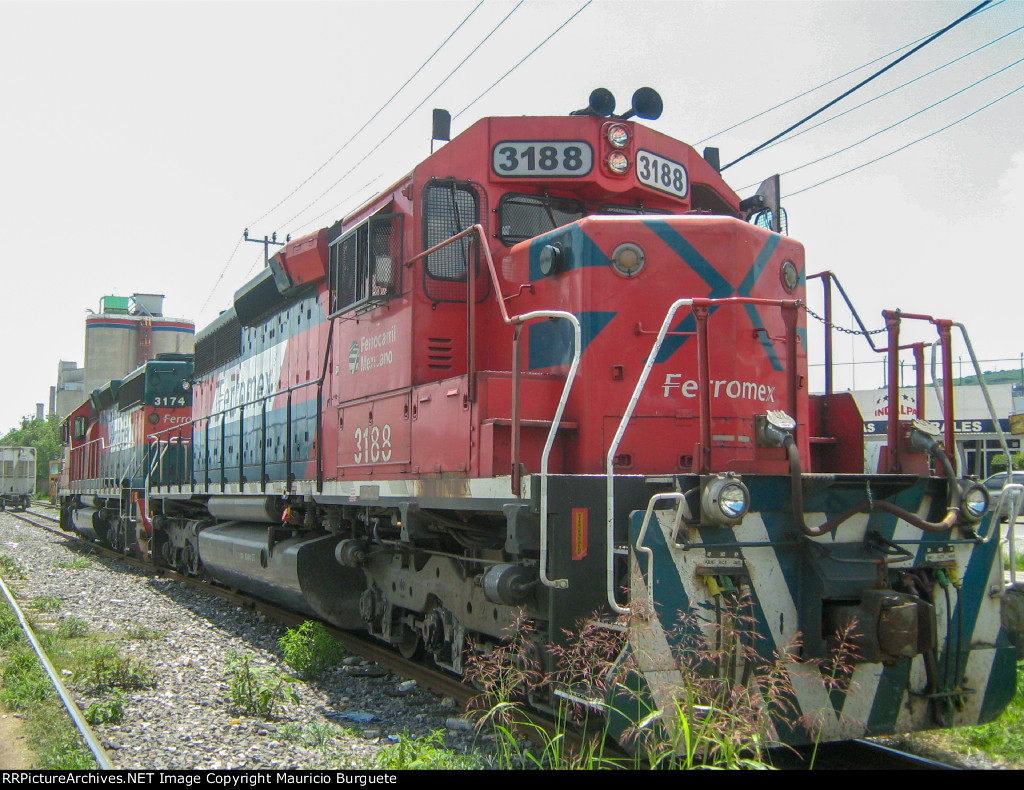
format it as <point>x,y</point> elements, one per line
<point>298,573</point>
<point>86,523</point>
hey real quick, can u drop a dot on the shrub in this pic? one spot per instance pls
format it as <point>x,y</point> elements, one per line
<point>998,463</point>
<point>310,649</point>
<point>106,670</point>
<point>427,753</point>
<point>257,691</point>
<point>108,711</point>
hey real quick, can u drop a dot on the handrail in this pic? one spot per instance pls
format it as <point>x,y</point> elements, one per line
<point>517,322</point>
<point>701,312</point>
<point>225,413</point>
<point>1016,490</point>
<point>827,278</point>
<point>981,383</point>
<point>682,512</point>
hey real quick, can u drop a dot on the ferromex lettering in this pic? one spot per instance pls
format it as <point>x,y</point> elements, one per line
<point>721,388</point>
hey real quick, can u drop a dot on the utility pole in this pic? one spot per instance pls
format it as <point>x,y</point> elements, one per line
<point>266,242</point>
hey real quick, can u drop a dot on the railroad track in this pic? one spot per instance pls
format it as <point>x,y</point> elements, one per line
<point>439,682</point>
<point>851,755</point>
<point>857,755</point>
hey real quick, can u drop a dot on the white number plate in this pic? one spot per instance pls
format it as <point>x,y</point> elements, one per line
<point>542,158</point>
<point>661,173</point>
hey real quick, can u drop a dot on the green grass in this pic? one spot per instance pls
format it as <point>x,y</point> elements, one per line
<point>78,563</point>
<point>26,689</point>
<point>46,603</point>
<point>427,753</point>
<point>72,628</point>
<point>1002,740</point>
<point>10,568</point>
<point>320,735</point>
<point>1018,561</point>
<point>141,633</point>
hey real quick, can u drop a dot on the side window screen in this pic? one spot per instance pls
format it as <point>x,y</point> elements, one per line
<point>521,217</point>
<point>366,264</point>
<point>449,208</point>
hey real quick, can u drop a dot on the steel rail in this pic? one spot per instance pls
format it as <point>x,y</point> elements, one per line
<point>76,715</point>
<point>438,681</point>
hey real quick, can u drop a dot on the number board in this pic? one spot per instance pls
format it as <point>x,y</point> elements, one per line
<point>662,174</point>
<point>542,158</point>
<point>173,401</point>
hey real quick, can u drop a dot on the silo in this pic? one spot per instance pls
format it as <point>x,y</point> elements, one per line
<point>128,331</point>
<point>111,342</point>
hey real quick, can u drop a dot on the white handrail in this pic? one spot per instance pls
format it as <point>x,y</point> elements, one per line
<point>610,496</point>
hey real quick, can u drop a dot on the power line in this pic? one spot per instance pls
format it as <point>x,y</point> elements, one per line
<point>824,84</point>
<point>407,117</point>
<point>524,59</point>
<point>894,125</point>
<point>861,84</point>
<point>343,201</point>
<point>336,153</point>
<point>904,147</point>
<point>893,90</point>
<point>223,271</point>
<point>372,117</point>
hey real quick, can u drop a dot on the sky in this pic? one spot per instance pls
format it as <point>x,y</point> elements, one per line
<point>139,139</point>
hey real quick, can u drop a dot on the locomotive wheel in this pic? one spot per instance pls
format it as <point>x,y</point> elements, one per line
<point>115,536</point>
<point>410,645</point>
<point>186,560</point>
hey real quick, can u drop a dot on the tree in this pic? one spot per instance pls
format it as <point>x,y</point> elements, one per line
<point>44,435</point>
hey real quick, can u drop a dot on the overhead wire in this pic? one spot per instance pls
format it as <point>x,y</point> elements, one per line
<point>897,123</point>
<point>826,83</point>
<point>913,142</point>
<point>223,271</point>
<point>862,83</point>
<point>401,123</point>
<point>524,59</point>
<point>347,199</point>
<point>331,158</point>
<point>892,90</point>
<point>372,118</point>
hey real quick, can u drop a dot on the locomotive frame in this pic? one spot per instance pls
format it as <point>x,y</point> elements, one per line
<point>587,401</point>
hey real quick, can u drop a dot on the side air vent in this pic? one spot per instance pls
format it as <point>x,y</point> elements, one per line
<point>439,352</point>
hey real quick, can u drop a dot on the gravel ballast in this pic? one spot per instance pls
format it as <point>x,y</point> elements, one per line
<point>185,636</point>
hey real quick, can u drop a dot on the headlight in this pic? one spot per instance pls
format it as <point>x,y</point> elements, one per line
<point>789,276</point>
<point>618,162</point>
<point>618,135</point>
<point>973,502</point>
<point>628,259</point>
<point>724,501</point>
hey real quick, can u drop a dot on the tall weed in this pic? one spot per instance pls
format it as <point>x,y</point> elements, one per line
<point>310,649</point>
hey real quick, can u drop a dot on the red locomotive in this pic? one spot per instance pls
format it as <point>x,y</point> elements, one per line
<point>557,369</point>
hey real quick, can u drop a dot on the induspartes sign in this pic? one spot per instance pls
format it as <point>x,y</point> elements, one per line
<point>959,426</point>
<point>908,410</point>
